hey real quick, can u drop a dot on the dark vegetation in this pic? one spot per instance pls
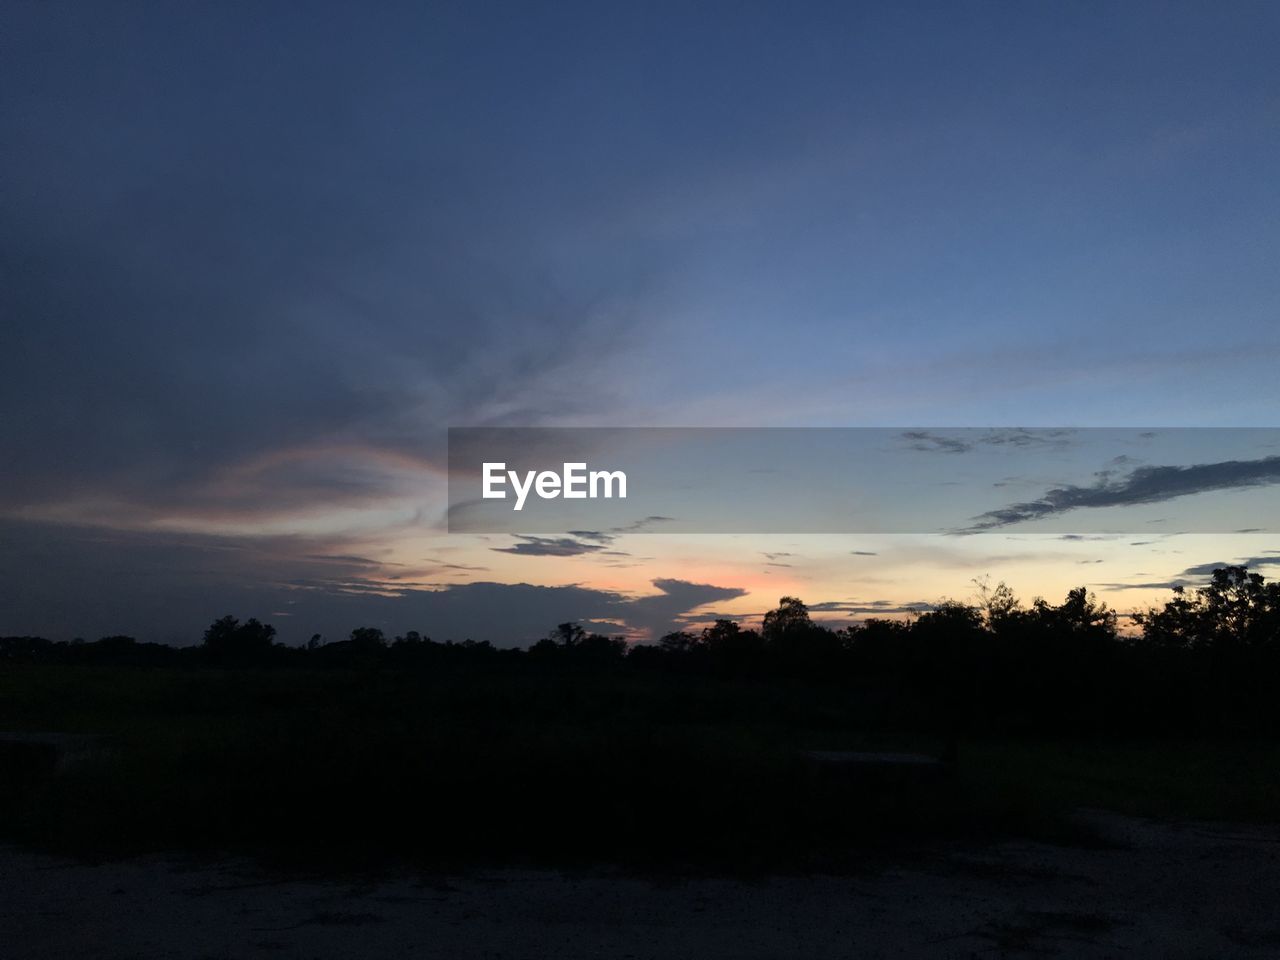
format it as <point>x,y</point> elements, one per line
<point>691,750</point>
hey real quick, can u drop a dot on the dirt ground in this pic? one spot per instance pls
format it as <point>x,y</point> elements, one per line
<point>1159,890</point>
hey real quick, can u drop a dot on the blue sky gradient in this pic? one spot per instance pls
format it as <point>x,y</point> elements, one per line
<point>258,257</point>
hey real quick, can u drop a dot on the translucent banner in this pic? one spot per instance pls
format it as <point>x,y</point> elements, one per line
<point>689,480</point>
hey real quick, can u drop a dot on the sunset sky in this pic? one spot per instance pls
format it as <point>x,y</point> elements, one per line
<point>258,258</point>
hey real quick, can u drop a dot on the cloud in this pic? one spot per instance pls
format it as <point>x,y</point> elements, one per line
<point>869,608</point>
<point>645,523</point>
<point>674,604</point>
<point>596,535</point>
<point>549,547</point>
<point>928,441</point>
<point>242,307</point>
<point>578,542</point>
<point>1253,563</point>
<point>608,536</point>
<point>925,441</point>
<point>64,582</point>
<point>1150,585</point>
<point>465,567</point>
<point>344,559</point>
<point>1198,574</point>
<point>1152,484</point>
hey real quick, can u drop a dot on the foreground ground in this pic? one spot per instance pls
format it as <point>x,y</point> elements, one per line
<point>1143,889</point>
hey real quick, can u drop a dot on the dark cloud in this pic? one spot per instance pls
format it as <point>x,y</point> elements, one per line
<point>1253,563</point>
<point>211,259</point>
<point>579,541</point>
<point>1150,585</point>
<point>672,605</point>
<point>64,582</point>
<point>1199,574</point>
<point>530,546</point>
<point>1152,484</point>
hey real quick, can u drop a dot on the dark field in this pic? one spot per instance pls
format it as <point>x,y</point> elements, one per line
<point>468,766</point>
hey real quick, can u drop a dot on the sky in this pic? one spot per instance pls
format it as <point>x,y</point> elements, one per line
<point>257,259</point>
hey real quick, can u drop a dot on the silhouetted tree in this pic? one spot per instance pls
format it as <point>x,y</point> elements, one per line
<point>946,644</point>
<point>796,643</point>
<point>1000,607</point>
<point>731,647</point>
<point>569,643</point>
<point>679,641</point>
<point>878,645</point>
<point>1236,610</point>
<point>567,635</point>
<point>599,648</point>
<point>412,638</point>
<point>789,619</point>
<point>1080,614</point>
<point>368,638</point>
<point>229,641</point>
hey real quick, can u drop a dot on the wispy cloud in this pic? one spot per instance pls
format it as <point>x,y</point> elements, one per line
<point>644,523</point>
<point>597,536</point>
<point>1149,585</point>
<point>869,608</point>
<point>549,547</point>
<point>579,542</point>
<point>1152,484</point>
<point>1253,563</point>
<point>1198,574</point>
<point>928,441</point>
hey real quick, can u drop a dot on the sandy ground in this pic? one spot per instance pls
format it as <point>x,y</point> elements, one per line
<point>1155,890</point>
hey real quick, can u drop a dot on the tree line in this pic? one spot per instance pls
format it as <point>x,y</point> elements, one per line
<point>1207,659</point>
